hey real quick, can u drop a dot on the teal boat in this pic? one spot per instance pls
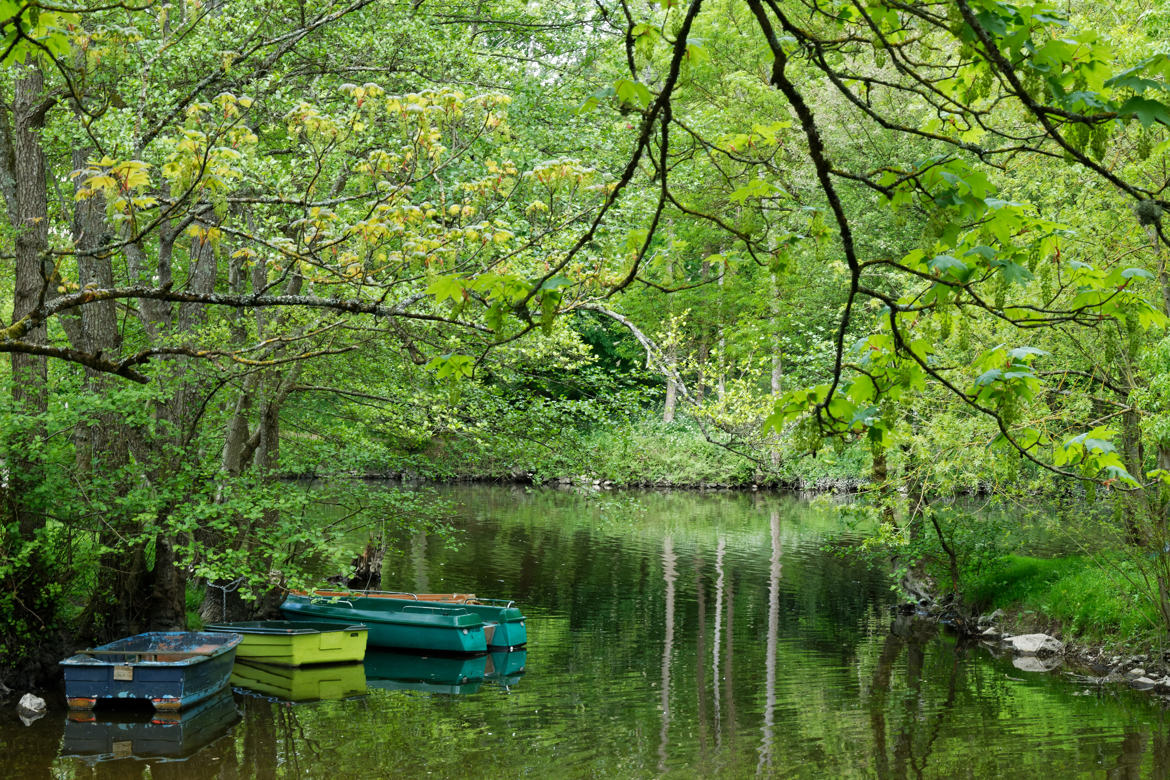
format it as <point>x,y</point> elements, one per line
<point>411,625</point>
<point>504,624</point>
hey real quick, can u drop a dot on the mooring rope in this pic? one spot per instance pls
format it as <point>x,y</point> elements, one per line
<point>231,587</point>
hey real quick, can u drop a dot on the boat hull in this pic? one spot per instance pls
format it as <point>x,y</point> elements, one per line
<point>411,626</point>
<point>172,670</point>
<point>298,643</point>
<point>505,625</point>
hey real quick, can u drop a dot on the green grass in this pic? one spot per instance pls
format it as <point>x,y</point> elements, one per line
<point>1093,601</point>
<point>194,600</point>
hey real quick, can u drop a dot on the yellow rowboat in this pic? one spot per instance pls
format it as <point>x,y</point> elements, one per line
<point>298,642</point>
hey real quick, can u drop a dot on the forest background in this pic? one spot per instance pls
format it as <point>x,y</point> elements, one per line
<point>912,247</point>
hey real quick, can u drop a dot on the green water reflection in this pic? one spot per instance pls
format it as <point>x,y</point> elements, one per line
<point>673,635</point>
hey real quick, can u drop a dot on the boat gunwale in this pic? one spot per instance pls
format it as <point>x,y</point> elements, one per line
<point>373,617</point>
<point>91,656</point>
<point>324,627</point>
<point>442,598</point>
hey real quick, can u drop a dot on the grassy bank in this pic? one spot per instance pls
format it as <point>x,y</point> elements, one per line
<point>1098,601</point>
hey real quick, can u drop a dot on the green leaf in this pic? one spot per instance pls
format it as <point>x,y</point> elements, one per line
<point>452,365</point>
<point>556,283</point>
<point>989,376</point>
<point>591,102</point>
<point>1147,111</point>
<point>862,389</point>
<point>951,266</point>
<point>446,288</point>
<point>1023,353</point>
<point>756,188</point>
<point>1014,273</point>
<point>632,92</point>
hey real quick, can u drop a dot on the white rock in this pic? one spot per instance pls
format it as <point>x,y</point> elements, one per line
<point>1030,663</point>
<point>1142,683</point>
<point>1139,672</point>
<point>1035,644</point>
<point>30,708</point>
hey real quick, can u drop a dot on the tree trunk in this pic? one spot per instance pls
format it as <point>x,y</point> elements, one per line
<point>721,363</point>
<point>168,606</point>
<point>28,604</point>
<point>668,409</point>
<point>29,214</point>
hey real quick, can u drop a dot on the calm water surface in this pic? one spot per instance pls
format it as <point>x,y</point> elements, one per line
<point>673,635</point>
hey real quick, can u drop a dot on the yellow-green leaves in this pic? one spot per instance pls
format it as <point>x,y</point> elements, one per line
<point>1094,455</point>
<point>1007,377</point>
<point>452,365</point>
<point>757,188</point>
<point>632,93</point>
<point>30,31</point>
<point>120,183</point>
<point>445,288</point>
<point>113,177</point>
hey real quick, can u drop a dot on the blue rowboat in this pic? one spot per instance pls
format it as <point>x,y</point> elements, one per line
<point>408,625</point>
<point>504,623</point>
<point>162,736</point>
<point>170,669</point>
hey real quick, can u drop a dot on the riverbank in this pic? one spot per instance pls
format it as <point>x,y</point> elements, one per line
<point>1096,600</point>
<point>1079,617</point>
<point>641,454</point>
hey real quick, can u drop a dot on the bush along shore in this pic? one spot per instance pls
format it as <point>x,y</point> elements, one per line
<point>631,454</point>
<point>587,481</point>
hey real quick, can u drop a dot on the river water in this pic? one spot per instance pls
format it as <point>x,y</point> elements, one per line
<point>677,635</point>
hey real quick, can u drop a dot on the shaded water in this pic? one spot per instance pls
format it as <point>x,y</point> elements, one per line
<point>676,635</point>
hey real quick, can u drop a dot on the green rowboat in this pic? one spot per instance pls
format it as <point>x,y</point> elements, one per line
<point>298,642</point>
<point>392,623</point>
<point>504,623</point>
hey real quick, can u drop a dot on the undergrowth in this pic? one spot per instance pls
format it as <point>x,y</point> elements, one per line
<point>1092,600</point>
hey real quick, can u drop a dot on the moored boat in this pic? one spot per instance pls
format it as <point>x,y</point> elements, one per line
<point>170,669</point>
<point>504,623</point>
<point>297,642</point>
<point>410,625</point>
